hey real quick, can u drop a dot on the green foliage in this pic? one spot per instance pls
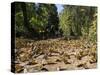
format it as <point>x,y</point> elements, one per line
<point>69,22</point>
<point>53,20</point>
<point>65,23</point>
<point>93,32</point>
<point>78,21</point>
<point>39,18</point>
<point>44,20</point>
<point>19,21</point>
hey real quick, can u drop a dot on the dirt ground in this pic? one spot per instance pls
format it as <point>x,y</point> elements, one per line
<point>54,55</point>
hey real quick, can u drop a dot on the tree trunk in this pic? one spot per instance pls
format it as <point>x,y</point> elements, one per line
<point>23,6</point>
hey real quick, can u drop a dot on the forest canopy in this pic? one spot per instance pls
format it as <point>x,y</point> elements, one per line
<point>38,20</point>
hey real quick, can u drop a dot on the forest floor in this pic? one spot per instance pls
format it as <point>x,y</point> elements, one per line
<point>54,55</point>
